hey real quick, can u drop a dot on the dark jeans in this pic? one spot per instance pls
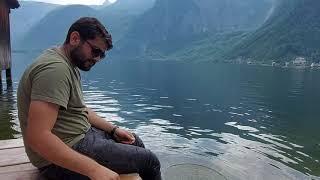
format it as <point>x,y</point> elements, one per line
<point>121,158</point>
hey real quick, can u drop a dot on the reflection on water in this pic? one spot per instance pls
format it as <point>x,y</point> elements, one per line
<point>245,122</point>
<point>9,125</point>
<point>248,147</point>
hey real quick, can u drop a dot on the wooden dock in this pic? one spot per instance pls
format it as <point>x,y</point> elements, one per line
<point>15,165</point>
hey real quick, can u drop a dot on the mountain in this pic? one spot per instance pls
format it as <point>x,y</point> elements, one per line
<point>28,14</point>
<point>119,16</point>
<point>171,25</point>
<point>160,29</point>
<point>293,30</point>
<point>52,29</point>
<point>264,30</point>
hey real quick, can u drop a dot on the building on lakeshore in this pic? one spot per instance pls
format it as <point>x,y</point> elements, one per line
<point>300,61</point>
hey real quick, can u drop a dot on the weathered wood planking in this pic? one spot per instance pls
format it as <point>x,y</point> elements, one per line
<point>7,144</point>
<point>15,165</point>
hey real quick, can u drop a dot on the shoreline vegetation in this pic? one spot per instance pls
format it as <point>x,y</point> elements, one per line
<point>297,63</point>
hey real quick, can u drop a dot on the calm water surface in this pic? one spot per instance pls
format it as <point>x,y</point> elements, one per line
<point>247,122</point>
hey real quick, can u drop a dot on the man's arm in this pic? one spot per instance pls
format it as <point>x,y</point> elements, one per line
<point>99,122</point>
<point>42,117</point>
<point>121,135</point>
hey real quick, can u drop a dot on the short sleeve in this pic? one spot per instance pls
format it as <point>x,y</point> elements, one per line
<point>51,83</point>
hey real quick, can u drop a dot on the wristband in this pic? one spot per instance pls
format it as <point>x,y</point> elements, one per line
<point>113,130</point>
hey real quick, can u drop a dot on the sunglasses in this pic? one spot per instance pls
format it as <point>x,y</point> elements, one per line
<point>96,52</point>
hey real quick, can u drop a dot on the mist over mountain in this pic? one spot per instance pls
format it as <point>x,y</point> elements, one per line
<point>23,18</point>
<point>53,28</point>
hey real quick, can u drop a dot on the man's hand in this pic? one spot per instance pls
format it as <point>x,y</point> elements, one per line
<point>120,135</point>
<point>103,173</point>
<point>124,136</point>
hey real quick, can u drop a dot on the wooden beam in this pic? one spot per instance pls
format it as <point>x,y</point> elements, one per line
<point>9,78</point>
<point>0,80</point>
<point>5,47</point>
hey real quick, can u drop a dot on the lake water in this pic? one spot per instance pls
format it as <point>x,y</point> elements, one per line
<point>246,122</point>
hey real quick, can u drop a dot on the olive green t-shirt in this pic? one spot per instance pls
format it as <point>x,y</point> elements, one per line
<point>53,78</point>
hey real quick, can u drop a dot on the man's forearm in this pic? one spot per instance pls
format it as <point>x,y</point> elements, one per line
<point>54,150</point>
<point>99,122</point>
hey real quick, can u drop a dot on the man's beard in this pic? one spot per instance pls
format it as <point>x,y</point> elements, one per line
<point>77,58</point>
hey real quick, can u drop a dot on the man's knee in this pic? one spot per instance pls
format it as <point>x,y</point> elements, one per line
<point>153,161</point>
<point>151,168</point>
<point>138,142</point>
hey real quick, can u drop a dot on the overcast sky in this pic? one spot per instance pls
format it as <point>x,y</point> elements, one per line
<point>87,2</point>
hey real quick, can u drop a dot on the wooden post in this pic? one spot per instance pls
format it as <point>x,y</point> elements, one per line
<point>9,78</point>
<point>9,63</point>
<point>5,60</point>
<point>0,81</point>
<point>5,44</point>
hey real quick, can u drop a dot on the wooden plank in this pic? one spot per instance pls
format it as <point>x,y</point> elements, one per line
<point>22,175</point>
<point>14,163</point>
<point>28,171</point>
<point>19,172</point>
<point>17,168</point>
<point>13,156</point>
<point>12,143</point>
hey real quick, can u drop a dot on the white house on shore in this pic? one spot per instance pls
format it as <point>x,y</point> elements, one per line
<point>313,65</point>
<point>299,61</point>
<point>286,64</point>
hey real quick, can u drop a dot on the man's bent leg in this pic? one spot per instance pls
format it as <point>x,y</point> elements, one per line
<point>121,158</point>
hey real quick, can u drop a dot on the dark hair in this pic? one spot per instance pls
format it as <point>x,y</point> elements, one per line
<point>90,28</point>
